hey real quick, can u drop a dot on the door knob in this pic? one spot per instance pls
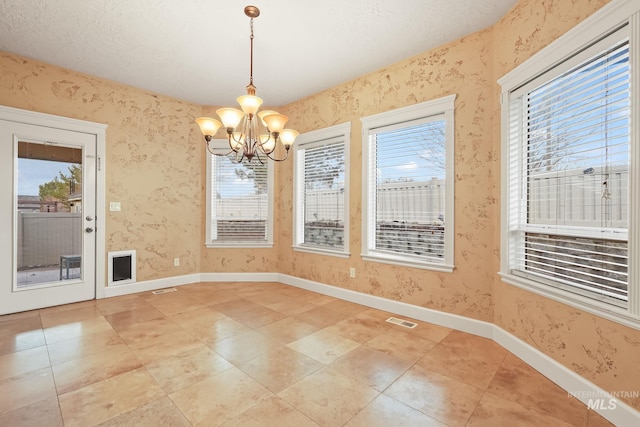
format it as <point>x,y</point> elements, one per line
<point>88,229</point>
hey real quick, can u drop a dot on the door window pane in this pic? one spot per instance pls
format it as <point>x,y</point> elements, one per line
<point>49,214</point>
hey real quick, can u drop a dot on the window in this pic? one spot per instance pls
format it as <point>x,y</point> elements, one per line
<point>408,185</point>
<point>239,201</point>
<point>567,161</point>
<point>321,191</point>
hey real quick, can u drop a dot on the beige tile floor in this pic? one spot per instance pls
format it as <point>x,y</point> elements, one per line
<point>260,354</point>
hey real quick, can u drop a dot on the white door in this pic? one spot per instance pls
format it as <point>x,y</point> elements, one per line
<point>47,216</point>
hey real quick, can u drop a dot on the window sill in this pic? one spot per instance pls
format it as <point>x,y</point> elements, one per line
<point>601,309</point>
<point>406,261</point>
<point>239,245</point>
<point>321,251</point>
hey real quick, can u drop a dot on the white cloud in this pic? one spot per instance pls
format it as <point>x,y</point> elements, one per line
<point>407,166</point>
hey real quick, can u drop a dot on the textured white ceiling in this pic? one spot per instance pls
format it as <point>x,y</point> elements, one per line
<point>198,50</point>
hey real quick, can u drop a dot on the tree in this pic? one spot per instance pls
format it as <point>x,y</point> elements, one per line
<point>323,168</point>
<point>255,171</point>
<point>431,141</point>
<point>62,186</point>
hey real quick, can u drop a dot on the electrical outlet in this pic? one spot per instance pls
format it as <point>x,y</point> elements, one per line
<point>176,262</point>
<point>352,272</point>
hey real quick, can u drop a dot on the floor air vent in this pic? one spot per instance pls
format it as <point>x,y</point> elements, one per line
<point>401,322</point>
<point>163,291</point>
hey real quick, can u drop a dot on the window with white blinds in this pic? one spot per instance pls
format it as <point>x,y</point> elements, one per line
<point>321,191</point>
<point>575,137</point>
<point>409,199</point>
<point>569,172</point>
<point>239,202</point>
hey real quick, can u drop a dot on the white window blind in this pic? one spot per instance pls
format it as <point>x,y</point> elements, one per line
<point>570,216</point>
<point>321,191</point>
<point>408,178</point>
<point>321,195</point>
<point>239,200</point>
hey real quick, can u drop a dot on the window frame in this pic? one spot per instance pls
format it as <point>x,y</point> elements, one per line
<point>313,139</point>
<point>561,55</point>
<point>444,106</point>
<point>223,146</point>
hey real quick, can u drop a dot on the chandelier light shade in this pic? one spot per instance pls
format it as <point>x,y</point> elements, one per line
<point>250,132</point>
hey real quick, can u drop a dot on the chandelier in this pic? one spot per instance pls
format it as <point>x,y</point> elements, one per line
<point>250,133</point>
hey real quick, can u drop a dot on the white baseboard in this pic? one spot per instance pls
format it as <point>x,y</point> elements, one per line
<point>239,277</point>
<point>150,285</point>
<point>460,323</point>
<point>575,385</point>
<point>579,387</point>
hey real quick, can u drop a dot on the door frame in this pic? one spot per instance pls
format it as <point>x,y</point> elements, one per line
<point>99,130</point>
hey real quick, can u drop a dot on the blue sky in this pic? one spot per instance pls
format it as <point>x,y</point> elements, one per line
<point>32,173</point>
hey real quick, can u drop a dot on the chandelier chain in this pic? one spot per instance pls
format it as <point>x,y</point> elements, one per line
<point>251,60</point>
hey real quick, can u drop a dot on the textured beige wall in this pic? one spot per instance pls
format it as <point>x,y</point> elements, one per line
<point>462,68</point>
<point>156,168</point>
<point>604,352</point>
<point>153,159</point>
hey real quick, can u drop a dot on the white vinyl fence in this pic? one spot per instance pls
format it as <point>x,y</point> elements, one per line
<point>419,202</point>
<point>43,237</point>
<point>242,208</point>
<point>575,198</point>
